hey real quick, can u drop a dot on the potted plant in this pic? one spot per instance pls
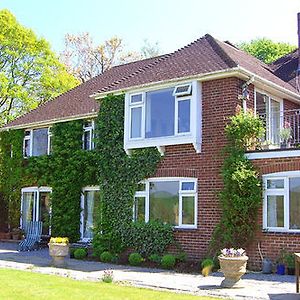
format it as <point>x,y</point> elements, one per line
<point>280,267</point>
<point>285,135</point>
<point>290,263</point>
<point>58,250</point>
<point>233,264</point>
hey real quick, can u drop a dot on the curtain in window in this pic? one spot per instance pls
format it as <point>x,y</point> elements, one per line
<point>89,213</point>
<point>27,208</point>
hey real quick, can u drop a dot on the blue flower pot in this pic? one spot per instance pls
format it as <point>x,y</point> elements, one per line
<point>280,269</point>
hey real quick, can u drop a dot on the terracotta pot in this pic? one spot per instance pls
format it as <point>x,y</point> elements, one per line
<point>233,269</point>
<point>58,252</point>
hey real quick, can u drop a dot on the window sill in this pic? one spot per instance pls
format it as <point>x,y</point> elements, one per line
<point>281,231</point>
<point>184,228</point>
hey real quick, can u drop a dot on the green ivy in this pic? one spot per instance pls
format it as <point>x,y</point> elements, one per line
<point>240,198</point>
<point>118,173</point>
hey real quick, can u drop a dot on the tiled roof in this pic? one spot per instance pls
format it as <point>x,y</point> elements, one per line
<point>205,55</point>
<point>286,66</point>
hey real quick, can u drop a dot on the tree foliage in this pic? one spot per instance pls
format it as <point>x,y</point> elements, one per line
<point>266,50</point>
<point>30,73</point>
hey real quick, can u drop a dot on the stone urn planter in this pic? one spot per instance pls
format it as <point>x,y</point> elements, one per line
<point>233,268</point>
<point>58,250</point>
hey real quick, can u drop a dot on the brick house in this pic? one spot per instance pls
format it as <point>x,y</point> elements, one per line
<point>180,103</point>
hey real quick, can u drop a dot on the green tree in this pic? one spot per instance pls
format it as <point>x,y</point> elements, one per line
<point>30,73</point>
<point>266,50</point>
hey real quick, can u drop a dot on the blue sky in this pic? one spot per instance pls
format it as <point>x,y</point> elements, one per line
<point>171,23</point>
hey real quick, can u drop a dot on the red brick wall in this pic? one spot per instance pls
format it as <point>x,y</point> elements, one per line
<point>272,243</point>
<point>219,98</point>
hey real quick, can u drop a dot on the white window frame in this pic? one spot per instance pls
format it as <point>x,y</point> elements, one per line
<point>91,130</point>
<point>194,136</point>
<point>185,93</point>
<point>181,194</point>
<point>286,176</point>
<point>30,139</point>
<point>36,202</point>
<point>85,189</point>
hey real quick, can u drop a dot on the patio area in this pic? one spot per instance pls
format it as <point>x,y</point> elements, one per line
<point>257,285</point>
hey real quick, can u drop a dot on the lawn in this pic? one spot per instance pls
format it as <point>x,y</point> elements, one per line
<point>26,285</point>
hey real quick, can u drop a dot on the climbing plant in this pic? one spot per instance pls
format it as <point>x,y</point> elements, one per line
<point>118,173</point>
<point>241,195</point>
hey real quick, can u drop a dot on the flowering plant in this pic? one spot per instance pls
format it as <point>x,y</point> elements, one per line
<point>286,132</point>
<point>108,276</point>
<point>231,252</point>
<point>59,240</point>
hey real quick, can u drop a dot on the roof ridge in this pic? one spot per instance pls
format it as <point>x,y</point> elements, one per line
<point>220,51</point>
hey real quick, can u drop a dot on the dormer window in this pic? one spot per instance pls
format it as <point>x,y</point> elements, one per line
<point>37,142</point>
<point>88,135</point>
<point>161,117</point>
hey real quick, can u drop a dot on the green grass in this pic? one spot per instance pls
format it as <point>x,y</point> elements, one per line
<point>26,285</point>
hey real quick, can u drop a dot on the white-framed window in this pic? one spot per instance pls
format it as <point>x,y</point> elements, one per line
<point>88,135</point>
<point>163,116</point>
<point>37,142</point>
<point>281,209</point>
<point>35,206</point>
<point>90,201</point>
<point>170,200</point>
<point>270,110</point>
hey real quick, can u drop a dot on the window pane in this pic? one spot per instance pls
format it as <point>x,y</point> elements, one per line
<point>275,184</point>
<point>27,148</point>
<point>164,201</point>
<point>136,122</point>
<point>91,200</point>
<point>184,116</point>
<point>139,209</point>
<point>188,212</point>
<point>136,98</point>
<point>44,211</point>
<point>160,112</point>
<point>27,208</point>
<point>87,140</point>
<point>275,211</point>
<point>187,186</point>
<point>40,142</point>
<point>295,203</point>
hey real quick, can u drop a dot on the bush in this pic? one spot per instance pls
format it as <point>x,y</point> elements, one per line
<point>80,253</point>
<point>148,238</point>
<point>168,261</point>
<point>154,258</point>
<point>181,257</point>
<point>135,259</point>
<point>207,262</point>
<point>106,257</point>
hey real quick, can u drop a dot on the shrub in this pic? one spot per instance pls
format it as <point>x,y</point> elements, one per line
<point>108,276</point>
<point>168,261</point>
<point>148,238</point>
<point>135,259</point>
<point>80,253</point>
<point>207,262</point>
<point>106,257</point>
<point>154,258</point>
<point>181,257</point>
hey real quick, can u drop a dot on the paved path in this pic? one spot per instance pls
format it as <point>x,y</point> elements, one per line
<point>257,285</point>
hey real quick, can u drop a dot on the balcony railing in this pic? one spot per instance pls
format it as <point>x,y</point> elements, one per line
<point>282,129</point>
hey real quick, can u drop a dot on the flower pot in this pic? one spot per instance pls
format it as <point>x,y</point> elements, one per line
<point>58,252</point>
<point>280,269</point>
<point>233,269</point>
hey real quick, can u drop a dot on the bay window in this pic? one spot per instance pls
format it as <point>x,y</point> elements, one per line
<point>37,142</point>
<point>170,200</point>
<point>165,116</point>
<point>282,201</point>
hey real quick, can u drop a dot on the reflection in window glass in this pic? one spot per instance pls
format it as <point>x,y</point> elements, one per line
<point>188,186</point>
<point>27,208</point>
<point>136,122</point>
<point>160,112</point>
<point>184,116</point>
<point>40,142</point>
<point>87,136</point>
<point>275,211</point>
<point>164,201</point>
<point>294,194</point>
<point>188,210</point>
<point>139,209</point>
<point>275,183</point>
